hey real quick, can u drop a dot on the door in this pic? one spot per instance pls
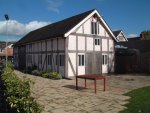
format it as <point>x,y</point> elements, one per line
<point>97,64</point>
<point>88,63</point>
<point>93,63</point>
<point>104,63</point>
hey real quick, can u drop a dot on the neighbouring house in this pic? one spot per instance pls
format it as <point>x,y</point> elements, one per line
<point>6,50</point>
<point>134,56</point>
<point>120,36</point>
<point>81,44</point>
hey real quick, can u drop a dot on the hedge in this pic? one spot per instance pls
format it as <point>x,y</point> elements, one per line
<point>18,93</point>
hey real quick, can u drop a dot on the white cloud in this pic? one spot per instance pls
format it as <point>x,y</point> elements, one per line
<point>132,35</point>
<point>18,29</point>
<point>54,5</point>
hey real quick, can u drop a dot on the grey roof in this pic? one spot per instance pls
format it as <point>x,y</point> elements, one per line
<point>54,30</point>
<point>134,38</point>
<point>142,45</point>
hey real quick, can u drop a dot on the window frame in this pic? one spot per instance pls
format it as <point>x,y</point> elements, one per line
<point>81,60</point>
<point>104,59</point>
<point>97,41</point>
<point>94,28</point>
<point>40,58</point>
<point>61,60</point>
<point>29,58</point>
<point>57,60</point>
<point>49,59</point>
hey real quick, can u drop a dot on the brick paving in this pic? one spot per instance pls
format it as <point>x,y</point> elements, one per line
<point>60,96</point>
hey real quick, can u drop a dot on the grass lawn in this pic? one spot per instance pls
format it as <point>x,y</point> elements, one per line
<point>139,101</point>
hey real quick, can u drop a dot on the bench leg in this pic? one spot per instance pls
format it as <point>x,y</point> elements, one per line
<point>95,85</point>
<point>104,84</point>
<point>76,83</point>
<point>85,82</point>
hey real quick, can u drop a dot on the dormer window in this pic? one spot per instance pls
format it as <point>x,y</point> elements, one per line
<point>95,27</point>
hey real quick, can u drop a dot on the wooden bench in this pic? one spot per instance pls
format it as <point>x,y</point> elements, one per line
<point>91,77</point>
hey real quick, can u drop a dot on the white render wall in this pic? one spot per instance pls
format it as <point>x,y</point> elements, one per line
<point>72,42</point>
<point>104,45</point>
<point>90,42</point>
<point>81,43</point>
<point>86,29</point>
<point>111,45</point>
<point>71,64</point>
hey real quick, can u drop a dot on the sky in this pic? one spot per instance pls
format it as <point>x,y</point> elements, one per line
<point>131,16</point>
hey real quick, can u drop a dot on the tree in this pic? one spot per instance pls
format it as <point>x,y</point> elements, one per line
<point>145,35</point>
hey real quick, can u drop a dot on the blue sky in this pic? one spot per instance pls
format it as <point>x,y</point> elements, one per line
<point>132,16</point>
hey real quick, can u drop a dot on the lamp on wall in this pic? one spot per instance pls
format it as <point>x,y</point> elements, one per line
<point>7,19</point>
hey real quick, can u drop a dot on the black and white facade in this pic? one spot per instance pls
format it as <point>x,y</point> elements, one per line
<point>82,44</point>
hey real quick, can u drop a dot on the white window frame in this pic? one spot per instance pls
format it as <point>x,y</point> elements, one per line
<point>81,60</point>
<point>97,41</point>
<point>95,28</point>
<point>104,59</point>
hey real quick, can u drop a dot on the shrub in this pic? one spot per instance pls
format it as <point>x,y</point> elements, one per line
<point>29,70</point>
<point>9,64</point>
<point>45,74</point>
<point>36,72</point>
<point>18,94</point>
<point>34,67</point>
<point>55,75</point>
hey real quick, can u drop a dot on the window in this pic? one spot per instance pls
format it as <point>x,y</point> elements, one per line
<point>29,58</point>
<point>30,47</point>
<point>57,59</point>
<point>97,41</point>
<point>81,60</point>
<point>49,59</point>
<point>105,59</point>
<point>60,60</point>
<point>40,59</point>
<point>95,27</point>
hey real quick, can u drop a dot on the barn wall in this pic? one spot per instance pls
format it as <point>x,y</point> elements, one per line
<point>36,54</point>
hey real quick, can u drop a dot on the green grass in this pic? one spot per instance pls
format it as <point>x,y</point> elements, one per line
<point>139,101</point>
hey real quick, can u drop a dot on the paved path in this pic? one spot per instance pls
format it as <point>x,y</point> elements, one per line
<point>60,96</point>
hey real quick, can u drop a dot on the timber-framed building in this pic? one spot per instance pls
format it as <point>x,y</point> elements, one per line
<point>81,44</point>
